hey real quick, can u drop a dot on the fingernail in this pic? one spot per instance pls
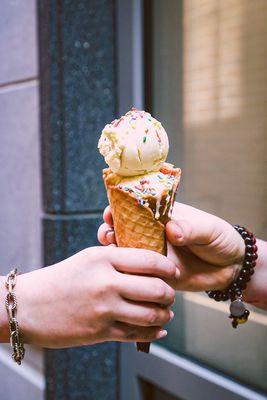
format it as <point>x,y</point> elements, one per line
<point>162,334</point>
<point>171,314</point>
<point>110,236</point>
<point>177,274</point>
<point>178,230</point>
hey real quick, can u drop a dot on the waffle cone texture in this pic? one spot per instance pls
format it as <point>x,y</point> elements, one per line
<point>134,224</point>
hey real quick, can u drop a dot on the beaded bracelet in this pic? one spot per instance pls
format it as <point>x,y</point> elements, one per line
<point>238,312</point>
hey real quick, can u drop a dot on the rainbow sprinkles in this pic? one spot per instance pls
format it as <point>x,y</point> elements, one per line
<point>156,185</point>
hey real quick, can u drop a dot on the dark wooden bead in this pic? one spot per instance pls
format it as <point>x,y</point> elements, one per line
<point>254,256</point>
<point>225,297</point>
<point>251,271</point>
<point>253,264</point>
<point>246,313</point>
<point>244,272</point>
<point>234,286</point>
<point>254,248</point>
<point>248,240</point>
<point>211,294</point>
<point>249,257</point>
<point>244,234</point>
<point>241,282</point>
<point>243,285</point>
<point>249,248</point>
<point>253,239</point>
<point>247,264</point>
<point>232,296</point>
<point>238,292</point>
<point>218,296</point>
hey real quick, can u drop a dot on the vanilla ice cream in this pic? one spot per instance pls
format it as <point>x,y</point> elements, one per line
<point>135,144</point>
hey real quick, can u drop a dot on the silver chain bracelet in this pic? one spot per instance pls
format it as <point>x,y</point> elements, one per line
<point>11,306</point>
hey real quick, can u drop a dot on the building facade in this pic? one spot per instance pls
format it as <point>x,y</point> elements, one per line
<point>68,68</point>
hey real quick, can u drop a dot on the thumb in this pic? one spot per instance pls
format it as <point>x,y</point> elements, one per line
<point>178,232</point>
<point>185,233</point>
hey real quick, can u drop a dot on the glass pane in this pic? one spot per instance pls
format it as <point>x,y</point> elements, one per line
<point>151,392</point>
<point>209,89</point>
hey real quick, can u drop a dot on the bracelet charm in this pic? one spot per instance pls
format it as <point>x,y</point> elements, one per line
<point>238,312</point>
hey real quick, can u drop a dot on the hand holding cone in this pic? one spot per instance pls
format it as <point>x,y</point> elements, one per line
<point>135,224</point>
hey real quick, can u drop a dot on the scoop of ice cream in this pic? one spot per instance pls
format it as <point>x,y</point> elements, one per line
<point>135,144</point>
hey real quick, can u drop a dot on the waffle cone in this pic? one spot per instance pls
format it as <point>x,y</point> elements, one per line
<point>135,225</point>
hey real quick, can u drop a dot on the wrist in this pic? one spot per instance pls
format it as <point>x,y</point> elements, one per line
<point>4,329</point>
<point>256,291</point>
<point>24,294</point>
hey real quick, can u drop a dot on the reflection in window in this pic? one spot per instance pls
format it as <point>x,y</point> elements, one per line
<point>212,46</point>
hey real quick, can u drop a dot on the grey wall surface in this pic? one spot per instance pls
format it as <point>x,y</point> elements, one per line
<point>78,97</point>
<point>18,41</point>
<point>20,185</point>
<point>20,219</point>
<point>20,178</point>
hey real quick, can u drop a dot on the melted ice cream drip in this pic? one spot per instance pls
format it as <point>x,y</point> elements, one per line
<point>154,184</point>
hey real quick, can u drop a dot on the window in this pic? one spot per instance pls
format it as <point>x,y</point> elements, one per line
<point>206,80</point>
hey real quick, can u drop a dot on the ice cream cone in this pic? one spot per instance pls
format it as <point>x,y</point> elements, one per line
<point>140,223</point>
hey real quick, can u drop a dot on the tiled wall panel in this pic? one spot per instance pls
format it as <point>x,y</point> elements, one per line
<point>78,97</point>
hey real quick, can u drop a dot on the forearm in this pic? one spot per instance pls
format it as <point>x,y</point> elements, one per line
<point>4,335</point>
<point>256,292</point>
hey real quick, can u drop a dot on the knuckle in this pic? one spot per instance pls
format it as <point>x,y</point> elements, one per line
<point>171,270</point>
<point>161,291</point>
<point>166,317</point>
<point>103,311</point>
<point>152,317</point>
<point>163,316</point>
<point>172,295</point>
<point>165,293</point>
<point>150,259</point>
<point>111,286</point>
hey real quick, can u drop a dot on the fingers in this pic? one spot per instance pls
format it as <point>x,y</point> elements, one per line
<point>143,314</point>
<point>140,261</point>
<point>105,232</point>
<point>144,288</point>
<point>129,333</point>
<point>107,216</point>
<point>106,235</point>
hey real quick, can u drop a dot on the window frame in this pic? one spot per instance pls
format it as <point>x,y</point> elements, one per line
<point>177,375</point>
